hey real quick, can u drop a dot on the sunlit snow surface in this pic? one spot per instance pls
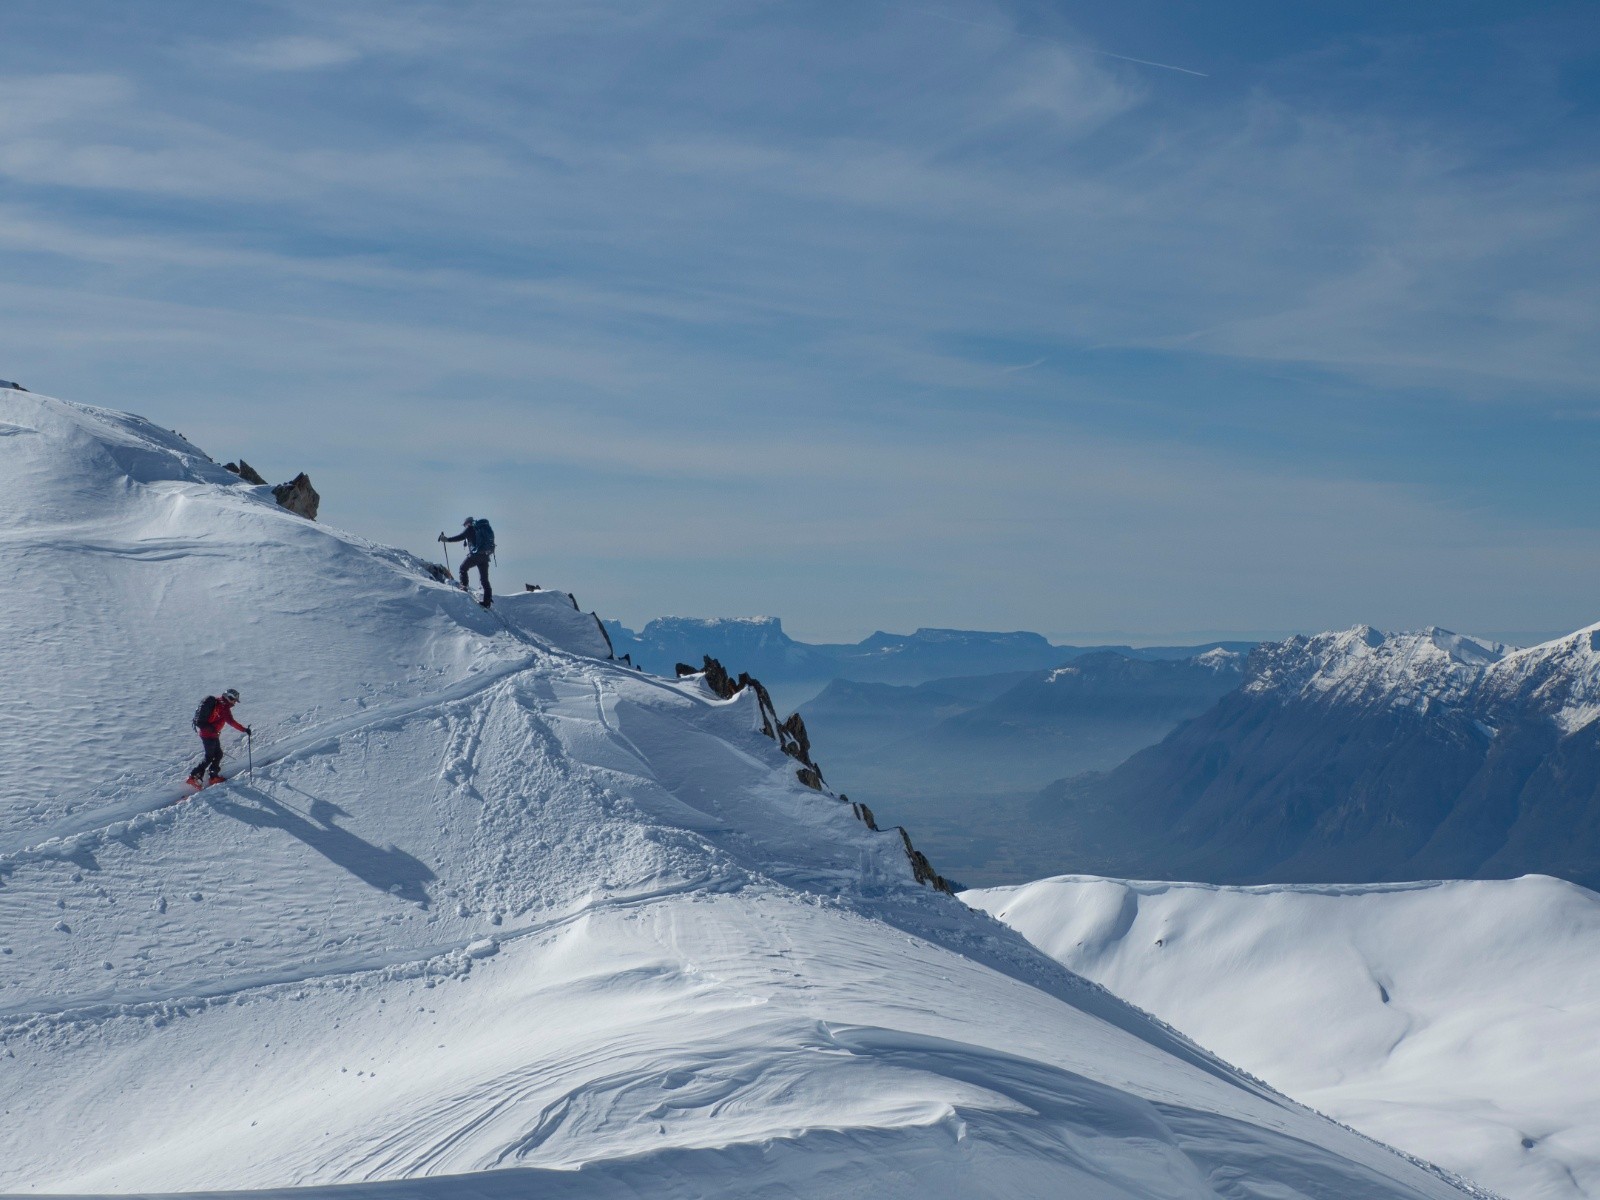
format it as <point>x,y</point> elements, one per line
<point>497,914</point>
<point>1459,1020</point>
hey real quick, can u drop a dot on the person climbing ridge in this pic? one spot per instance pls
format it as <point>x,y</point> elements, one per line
<point>479,538</point>
<point>214,712</point>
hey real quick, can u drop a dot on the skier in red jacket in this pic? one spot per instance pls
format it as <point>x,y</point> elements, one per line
<point>214,712</point>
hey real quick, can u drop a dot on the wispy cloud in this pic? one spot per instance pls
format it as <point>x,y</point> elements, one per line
<point>873,268</point>
<point>290,54</point>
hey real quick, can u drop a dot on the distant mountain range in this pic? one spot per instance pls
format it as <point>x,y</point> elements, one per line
<point>760,646</point>
<point>1361,756</point>
<point>957,729</point>
<point>1014,729</point>
<point>964,757</point>
<point>1353,756</point>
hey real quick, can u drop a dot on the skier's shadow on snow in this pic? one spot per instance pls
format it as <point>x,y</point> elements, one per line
<point>389,870</point>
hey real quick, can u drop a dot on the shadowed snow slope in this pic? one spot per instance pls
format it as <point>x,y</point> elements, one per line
<point>496,909</point>
<point>1459,1020</point>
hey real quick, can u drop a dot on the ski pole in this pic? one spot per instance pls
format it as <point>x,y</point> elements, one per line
<point>250,752</point>
<point>446,546</point>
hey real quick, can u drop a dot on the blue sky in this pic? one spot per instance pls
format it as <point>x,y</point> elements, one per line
<point>870,315</point>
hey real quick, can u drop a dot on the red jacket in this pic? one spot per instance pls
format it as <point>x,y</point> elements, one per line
<point>221,715</point>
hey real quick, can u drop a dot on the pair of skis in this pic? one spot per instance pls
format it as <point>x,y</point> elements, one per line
<point>192,789</point>
<point>198,786</point>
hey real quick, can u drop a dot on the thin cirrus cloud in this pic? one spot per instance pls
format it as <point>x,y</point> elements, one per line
<point>290,54</point>
<point>902,257</point>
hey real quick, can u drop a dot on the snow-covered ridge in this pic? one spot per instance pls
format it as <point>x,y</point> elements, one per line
<point>494,901</point>
<point>1458,1019</point>
<point>1367,668</point>
<point>1560,678</point>
<point>1220,659</point>
<point>142,575</point>
<point>1434,669</point>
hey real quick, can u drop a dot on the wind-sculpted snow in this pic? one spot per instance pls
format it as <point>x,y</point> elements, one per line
<point>1460,1020</point>
<point>498,915</point>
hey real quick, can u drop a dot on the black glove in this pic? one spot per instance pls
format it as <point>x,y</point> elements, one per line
<point>248,732</point>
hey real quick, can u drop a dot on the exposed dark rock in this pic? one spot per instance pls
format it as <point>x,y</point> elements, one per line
<point>863,813</point>
<point>921,868</point>
<point>439,572</point>
<point>791,735</point>
<point>611,651</point>
<point>298,496</point>
<point>795,741</point>
<point>245,472</point>
<point>719,681</point>
<point>769,714</point>
<point>15,387</point>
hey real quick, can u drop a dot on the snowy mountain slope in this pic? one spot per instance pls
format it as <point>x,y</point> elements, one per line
<point>494,902</point>
<point>1362,667</point>
<point>1460,1020</point>
<point>141,575</point>
<point>1360,756</point>
<point>1559,679</point>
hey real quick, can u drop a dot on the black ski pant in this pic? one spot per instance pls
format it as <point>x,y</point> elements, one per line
<point>212,761</point>
<point>481,561</point>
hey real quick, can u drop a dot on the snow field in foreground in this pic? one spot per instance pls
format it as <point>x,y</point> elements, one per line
<point>1458,1020</point>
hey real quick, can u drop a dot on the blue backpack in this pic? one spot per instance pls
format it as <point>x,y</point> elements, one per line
<point>482,537</point>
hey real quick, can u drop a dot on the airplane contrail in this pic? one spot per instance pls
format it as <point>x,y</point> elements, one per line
<point>1144,62</point>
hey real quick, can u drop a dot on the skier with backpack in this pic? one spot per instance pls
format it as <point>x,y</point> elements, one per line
<point>214,712</point>
<point>479,537</point>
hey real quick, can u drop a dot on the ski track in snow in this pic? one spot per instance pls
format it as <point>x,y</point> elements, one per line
<point>62,838</point>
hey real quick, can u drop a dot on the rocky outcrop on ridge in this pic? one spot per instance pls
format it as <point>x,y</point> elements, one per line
<point>246,472</point>
<point>298,496</point>
<point>790,734</point>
